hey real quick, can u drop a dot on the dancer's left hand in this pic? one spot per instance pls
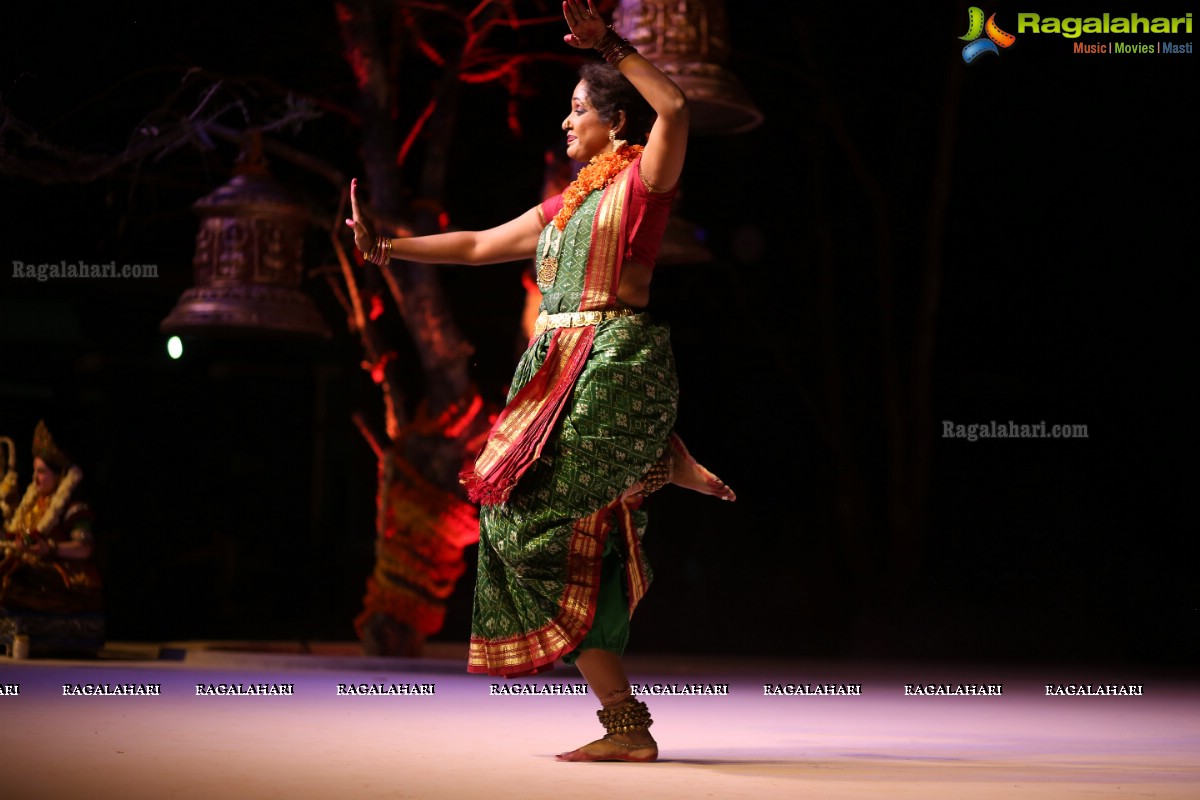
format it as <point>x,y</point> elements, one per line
<point>587,26</point>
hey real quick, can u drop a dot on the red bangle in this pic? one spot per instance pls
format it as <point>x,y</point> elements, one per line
<point>613,48</point>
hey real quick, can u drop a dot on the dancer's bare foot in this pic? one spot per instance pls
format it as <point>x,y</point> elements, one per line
<point>686,472</point>
<point>615,747</point>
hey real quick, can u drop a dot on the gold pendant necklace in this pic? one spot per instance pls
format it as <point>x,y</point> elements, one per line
<point>548,265</point>
<point>598,174</point>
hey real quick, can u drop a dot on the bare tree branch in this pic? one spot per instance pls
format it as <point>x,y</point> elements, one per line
<point>26,153</point>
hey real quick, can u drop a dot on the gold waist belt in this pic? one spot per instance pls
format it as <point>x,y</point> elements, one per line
<point>577,319</point>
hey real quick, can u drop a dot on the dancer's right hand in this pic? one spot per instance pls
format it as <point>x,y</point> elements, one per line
<point>363,239</point>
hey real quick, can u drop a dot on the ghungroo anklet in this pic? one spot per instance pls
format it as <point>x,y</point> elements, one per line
<point>632,715</point>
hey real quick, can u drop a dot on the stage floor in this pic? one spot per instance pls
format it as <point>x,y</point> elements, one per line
<point>450,736</point>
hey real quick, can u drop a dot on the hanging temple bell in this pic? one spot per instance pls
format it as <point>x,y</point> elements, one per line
<point>689,41</point>
<point>248,262</point>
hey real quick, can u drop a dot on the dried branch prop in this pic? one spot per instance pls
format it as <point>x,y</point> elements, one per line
<point>474,62</point>
<point>27,153</point>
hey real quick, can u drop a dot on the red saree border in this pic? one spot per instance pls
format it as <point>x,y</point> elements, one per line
<point>536,651</point>
<point>603,275</point>
<point>636,579</point>
<point>524,426</point>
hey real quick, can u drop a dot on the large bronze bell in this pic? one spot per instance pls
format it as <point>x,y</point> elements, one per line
<point>248,262</point>
<point>689,41</point>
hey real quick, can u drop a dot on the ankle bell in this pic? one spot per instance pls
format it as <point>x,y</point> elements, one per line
<point>631,715</point>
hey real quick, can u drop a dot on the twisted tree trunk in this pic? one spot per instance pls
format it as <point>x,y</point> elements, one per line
<point>424,521</point>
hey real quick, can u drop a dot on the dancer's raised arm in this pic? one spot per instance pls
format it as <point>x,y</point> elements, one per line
<point>666,145</point>
<point>512,241</point>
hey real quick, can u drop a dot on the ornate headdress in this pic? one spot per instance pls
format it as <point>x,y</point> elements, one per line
<point>22,520</point>
<point>45,448</point>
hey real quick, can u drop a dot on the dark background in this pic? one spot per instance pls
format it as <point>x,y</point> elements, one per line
<point>235,498</point>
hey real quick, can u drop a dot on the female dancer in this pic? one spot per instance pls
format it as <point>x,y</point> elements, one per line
<point>587,431</point>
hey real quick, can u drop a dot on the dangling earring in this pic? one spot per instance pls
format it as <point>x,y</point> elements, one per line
<point>616,143</point>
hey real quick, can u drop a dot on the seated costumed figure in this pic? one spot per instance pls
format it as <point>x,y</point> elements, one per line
<point>46,567</point>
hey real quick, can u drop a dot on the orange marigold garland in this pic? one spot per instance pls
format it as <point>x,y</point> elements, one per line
<point>598,173</point>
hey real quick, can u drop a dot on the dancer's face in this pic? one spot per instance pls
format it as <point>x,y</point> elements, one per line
<point>45,478</point>
<point>587,134</point>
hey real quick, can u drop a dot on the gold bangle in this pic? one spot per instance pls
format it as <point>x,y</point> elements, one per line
<point>381,253</point>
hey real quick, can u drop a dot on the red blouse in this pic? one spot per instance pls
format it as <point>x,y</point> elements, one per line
<point>645,220</point>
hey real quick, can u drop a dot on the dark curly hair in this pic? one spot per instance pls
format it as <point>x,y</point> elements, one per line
<point>610,92</point>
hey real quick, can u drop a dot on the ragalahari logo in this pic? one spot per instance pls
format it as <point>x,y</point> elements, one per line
<point>976,27</point>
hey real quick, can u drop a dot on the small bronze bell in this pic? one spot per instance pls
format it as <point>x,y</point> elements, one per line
<point>689,41</point>
<point>248,262</point>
